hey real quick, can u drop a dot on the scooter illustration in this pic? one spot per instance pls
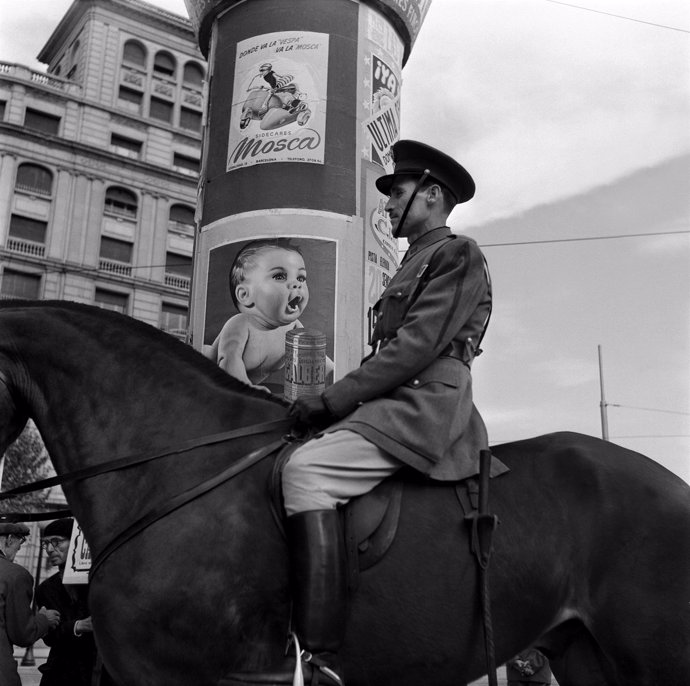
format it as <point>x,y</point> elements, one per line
<point>275,107</point>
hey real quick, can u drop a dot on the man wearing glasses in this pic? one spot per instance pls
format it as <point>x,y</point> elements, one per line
<point>72,649</point>
<point>19,625</point>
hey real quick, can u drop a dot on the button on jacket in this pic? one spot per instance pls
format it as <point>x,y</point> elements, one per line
<point>413,398</point>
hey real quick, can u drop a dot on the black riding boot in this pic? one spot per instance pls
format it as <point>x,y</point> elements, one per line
<point>319,590</point>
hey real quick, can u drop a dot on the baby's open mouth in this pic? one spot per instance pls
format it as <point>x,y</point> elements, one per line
<point>293,303</point>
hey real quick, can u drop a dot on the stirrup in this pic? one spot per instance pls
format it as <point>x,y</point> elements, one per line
<point>315,661</point>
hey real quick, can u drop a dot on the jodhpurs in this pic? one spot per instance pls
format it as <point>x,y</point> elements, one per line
<point>333,468</point>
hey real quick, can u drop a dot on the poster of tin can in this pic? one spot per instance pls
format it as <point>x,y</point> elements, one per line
<point>305,363</point>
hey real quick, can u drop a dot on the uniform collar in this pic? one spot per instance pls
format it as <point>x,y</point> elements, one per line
<point>429,238</point>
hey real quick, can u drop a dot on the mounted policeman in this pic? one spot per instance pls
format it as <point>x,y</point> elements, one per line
<point>409,403</point>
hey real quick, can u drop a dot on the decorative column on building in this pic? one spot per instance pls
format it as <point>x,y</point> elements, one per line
<point>303,106</point>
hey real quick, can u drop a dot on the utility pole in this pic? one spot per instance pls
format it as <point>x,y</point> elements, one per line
<point>602,403</point>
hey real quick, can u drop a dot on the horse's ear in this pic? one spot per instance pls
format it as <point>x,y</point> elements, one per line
<point>243,296</point>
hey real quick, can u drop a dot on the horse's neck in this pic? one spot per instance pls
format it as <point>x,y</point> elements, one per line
<point>93,402</point>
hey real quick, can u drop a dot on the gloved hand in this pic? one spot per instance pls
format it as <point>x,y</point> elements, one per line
<point>311,410</point>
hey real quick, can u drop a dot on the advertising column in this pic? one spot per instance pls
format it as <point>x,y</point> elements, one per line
<point>303,106</point>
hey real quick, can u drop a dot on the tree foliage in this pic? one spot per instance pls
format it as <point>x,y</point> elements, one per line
<point>26,460</point>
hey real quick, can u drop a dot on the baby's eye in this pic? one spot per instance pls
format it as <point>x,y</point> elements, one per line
<point>279,276</point>
<point>302,278</point>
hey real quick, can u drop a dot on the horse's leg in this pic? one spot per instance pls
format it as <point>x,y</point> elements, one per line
<point>574,656</point>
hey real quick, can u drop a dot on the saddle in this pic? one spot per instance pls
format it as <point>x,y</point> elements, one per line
<point>370,521</point>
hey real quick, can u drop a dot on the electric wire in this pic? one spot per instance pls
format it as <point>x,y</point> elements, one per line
<point>619,16</point>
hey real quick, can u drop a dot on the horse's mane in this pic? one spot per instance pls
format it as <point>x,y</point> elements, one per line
<point>185,352</point>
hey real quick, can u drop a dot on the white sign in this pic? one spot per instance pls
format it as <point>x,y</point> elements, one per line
<point>78,558</point>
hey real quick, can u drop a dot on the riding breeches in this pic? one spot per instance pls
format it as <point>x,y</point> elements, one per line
<point>333,468</point>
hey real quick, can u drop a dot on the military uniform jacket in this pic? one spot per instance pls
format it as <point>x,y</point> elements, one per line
<point>18,623</point>
<point>413,398</point>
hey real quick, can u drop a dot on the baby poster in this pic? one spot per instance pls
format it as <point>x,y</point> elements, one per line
<point>279,93</point>
<point>258,291</point>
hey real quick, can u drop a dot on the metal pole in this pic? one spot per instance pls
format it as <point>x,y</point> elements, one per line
<point>603,404</point>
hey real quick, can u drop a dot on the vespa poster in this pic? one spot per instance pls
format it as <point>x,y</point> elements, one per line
<point>259,292</point>
<point>279,91</point>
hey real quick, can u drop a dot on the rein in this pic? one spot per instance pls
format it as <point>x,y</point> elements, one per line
<point>175,502</point>
<point>142,457</point>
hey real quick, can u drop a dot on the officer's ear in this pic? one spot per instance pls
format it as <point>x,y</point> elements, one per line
<point>434,193</point>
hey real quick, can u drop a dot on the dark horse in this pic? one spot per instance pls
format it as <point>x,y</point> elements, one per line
<point>591,557</point>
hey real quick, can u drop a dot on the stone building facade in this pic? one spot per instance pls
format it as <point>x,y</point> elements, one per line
<point>99,163</point>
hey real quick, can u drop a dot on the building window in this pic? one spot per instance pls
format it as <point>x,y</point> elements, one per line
<point>173,320</point>
<point>20,285</point>
<point>40,121</point>
<point>161,110</point>
<point>110,300</point>
<point>121,203</point>
<point>134,54</point>
<point>127,147</point>
<point>130,99</point>
<point>27,229</point>
<point>190,120</point>
<point>186,165</point>
<point>164,64</point>
<point>116,250</point>
<point>193,75</point>
<point>72,73</point>
<point>181,219</point>
<point>178,270</point>
<point>3,104</point>
<point>34,179</point>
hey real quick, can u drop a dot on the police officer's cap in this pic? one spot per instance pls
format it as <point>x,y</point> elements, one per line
<point>412,158</point>
<point>9,526</point>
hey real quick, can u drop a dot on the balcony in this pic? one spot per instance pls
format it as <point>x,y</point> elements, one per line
<point>177,281</point>
<point>21,245</point>
<point>115,267</point>
<point>22,73</point>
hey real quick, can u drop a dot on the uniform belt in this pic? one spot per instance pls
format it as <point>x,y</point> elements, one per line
<point>460,350</point>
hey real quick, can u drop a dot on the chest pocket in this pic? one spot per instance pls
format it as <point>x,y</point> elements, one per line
<point>392,308</point>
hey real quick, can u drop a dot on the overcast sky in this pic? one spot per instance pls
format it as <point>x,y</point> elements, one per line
<point>575,124</point>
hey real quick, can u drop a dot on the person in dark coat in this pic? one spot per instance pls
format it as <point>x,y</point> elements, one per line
<point>409,403</point>
<point>72,648</point>
<point>528,668</point>
<point>19,624</point>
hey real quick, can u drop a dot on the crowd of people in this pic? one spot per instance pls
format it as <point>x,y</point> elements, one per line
<point>57,613</point>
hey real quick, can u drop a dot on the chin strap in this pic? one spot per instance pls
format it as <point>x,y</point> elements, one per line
<point>422,179</point>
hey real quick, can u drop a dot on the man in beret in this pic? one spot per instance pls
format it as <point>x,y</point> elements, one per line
<point>19,625</point>
<point>409,403</point>
<point>72,649</point>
